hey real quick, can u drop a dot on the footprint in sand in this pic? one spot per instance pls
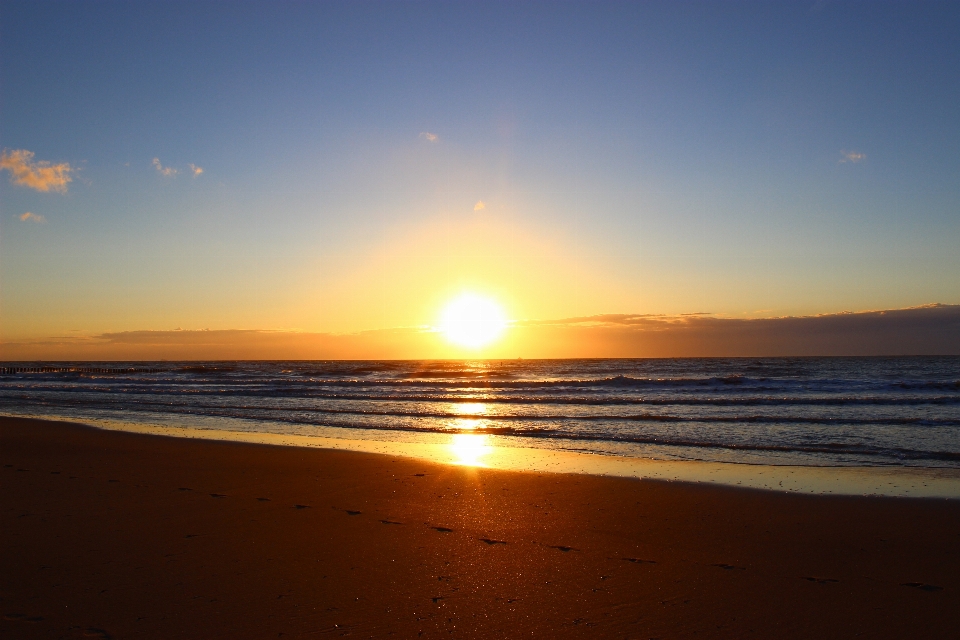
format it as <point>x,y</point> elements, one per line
<point>727,567</point>
<point>491,541</point>
<point>922,586</point>
<point>21,617</point>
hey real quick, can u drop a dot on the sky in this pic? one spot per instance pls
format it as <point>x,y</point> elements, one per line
<point>326,168</point>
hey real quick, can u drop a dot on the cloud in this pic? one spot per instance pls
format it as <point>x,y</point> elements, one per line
<point>169,172</point>
<point>927,330</point>
<point>40,175</point>
<point>225,344</point>
<point>852,156</point>
<point>32,217</point>
<point>431,137</point>
<point>480,206</point>
<point>602,319</point>
<point>195,169</point>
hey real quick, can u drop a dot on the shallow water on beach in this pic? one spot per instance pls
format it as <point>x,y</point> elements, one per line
<point>893,412</point>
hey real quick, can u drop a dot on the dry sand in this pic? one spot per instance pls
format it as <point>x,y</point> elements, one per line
<point>110,534</point>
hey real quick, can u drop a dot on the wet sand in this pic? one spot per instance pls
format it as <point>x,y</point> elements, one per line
<point>123,535</point>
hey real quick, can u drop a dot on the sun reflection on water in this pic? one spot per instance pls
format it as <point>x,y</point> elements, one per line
<point>469,408</point>
<point>468,448</point>
<point>472,413</point>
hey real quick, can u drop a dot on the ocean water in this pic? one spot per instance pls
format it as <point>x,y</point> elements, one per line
<point>867,412</point>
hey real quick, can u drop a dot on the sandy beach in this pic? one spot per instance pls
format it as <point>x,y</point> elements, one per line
<point>122,535</point>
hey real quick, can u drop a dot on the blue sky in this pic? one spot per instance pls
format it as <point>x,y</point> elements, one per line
<point>740,159</point>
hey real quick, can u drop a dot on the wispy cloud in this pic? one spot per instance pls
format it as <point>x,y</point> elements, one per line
<point>195,169</point>
<point>40,175</point>
<point>32,217</point>
<point>852,156</point>
<point>480,206</point>
<point>169,172</point>
<point>431,137</point>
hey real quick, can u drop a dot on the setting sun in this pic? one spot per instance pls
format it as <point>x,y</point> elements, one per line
<point>472,321</point>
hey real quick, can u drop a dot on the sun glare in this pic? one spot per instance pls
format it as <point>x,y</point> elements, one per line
<point>472,321</point>
<point>469,448</point>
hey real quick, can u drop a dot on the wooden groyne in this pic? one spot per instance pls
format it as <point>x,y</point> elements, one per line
<point>75,369</point>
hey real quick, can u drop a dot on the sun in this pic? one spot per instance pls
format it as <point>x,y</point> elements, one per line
<point>472,321</point>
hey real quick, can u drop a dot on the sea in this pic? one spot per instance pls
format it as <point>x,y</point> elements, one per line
<point>858,412</point>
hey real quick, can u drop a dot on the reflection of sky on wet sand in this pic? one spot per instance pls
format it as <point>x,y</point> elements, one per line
<point>483,450</point>
<point>469,448</point>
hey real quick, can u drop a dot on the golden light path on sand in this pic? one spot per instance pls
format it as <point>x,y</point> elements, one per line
<point>479,450</point>
<point>469,449</point>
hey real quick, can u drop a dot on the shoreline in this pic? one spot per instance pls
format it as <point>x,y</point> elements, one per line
<point>476,450</point>
<point>116,534</point>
